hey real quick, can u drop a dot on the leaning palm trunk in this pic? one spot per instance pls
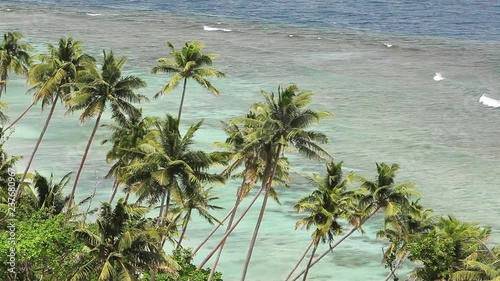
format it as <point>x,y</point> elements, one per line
<point>213,231</point>
<point>299,261</point>
<point>115,189</point>
<point>212,252</point>
<point>42,133</point>
<point>21,116</point>
<point>186,222</point>
<point>236,204</point>
<point>163,212</point>
<point>267,184</point>
<point>394,270</point>
<point>340,240</point>
<point>182,100</point>
<point>82,163</point>
<point>3,77</point>
<point>310,260</point>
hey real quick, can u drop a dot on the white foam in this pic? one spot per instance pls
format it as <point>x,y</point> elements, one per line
<point>438,77</point>
<point>209,28</point>
<point>92,14</point>
<point>489,101</point>
<point>8,10</point>
<point>387,45</point>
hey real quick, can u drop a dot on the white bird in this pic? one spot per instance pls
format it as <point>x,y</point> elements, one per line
<point>438,77</point>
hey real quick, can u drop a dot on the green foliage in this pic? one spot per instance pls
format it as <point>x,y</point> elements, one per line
<point>44,248</point>
<point>188,271</point>
<point>120,246</point>
<point>14,57</point>
<point>436,253</point>
<point>447,248</point>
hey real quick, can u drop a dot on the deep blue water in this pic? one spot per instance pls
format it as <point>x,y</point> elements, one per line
<point>463,19</point>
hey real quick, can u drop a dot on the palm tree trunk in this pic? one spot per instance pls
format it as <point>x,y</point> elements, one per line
<point>42,133</point>
<point>236,204</point>
<point>82,163</point>
<point>182,100</point>
<point>115,189</point>
<point>213,231</point>
<point>159,223</point>
<point>310,260</point>
<point>162,207</point>
<point>340,240</point>
<point>186,222</point>
<point>299,261</point>
<point>396,268</point>
<point>21,116</point>
<point>230,230</point>
<point>3,77</point>
<point>267,184</point>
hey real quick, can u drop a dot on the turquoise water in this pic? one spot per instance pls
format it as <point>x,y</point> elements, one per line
<point>386,103</point>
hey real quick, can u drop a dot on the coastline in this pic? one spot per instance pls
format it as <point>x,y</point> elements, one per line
<point>348,129</point>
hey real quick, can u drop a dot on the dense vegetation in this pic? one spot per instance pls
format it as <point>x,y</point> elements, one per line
<point>46,235</point>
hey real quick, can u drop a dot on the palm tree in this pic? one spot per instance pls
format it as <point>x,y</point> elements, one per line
<point>168,166</point>
<point>282,121</point>
<point>96,90</point>
<point>481,267</point>
<point>325,205</point>
<point>126,138</point>
<point>49,193</point>
<point>400,229</point>
<point>122,245</point>
<point>51,80</point>
<point>382,193</point>
<point>199,199</point>
<point>188,63</point>
<point>269,127</point>
<point>14,57</point>
<point>241,155</point>
<point>3,116</point>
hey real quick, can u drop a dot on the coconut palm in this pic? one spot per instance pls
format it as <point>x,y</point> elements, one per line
<point>169,165</point>
<point>241,155</point>
<point>49,193</point>
<point>383,194</point>
<point>14,57</point>
<point>326,205</point>
<point>188,63</point>
<point>281,122</point>
<point>51,79</point>
<point>121,246</point>
<point>484,266</point>
<point>3,116</point>
<point>199,199</point>
<point>401,228</point>
<point>99,89</point>
<point>126,138</point>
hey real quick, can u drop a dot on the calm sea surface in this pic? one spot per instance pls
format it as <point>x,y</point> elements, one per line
<point>371,63</point>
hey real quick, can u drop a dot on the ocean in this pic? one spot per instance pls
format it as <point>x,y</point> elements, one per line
<point>404,80</point>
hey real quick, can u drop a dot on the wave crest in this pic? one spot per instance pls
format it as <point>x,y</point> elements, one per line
<point>489,101</point>
<point>209,28</point>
